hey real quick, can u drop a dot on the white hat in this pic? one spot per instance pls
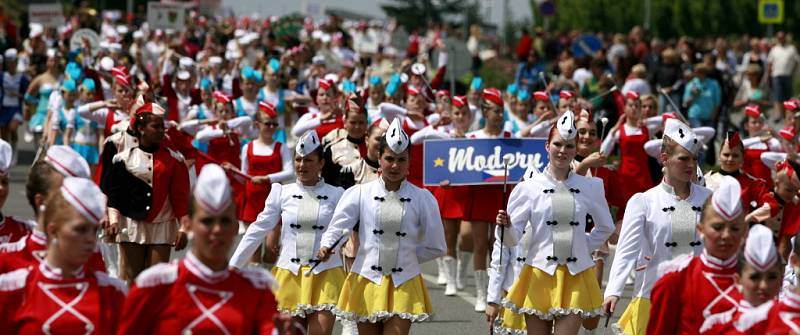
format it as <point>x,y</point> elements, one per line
<point>318,60</point>
<point>212,189</point>
<point>683,134</point>
<point>138,34</point>
<point>418,69</point>
<point>183,75</point>
<point>215,60</point>
<point>238,33</point>
<point>122,29</point>
<point>10,54</point>
<point>396,138</point>
<point>233,54</point>
<point>52,53</point>
<point>185,62</point>
<point>85,197</point>
<point>106,63</point>
<point>759,250</point>
<point>6,154</point>
<point>727,199</point>
<point>566,126</point>
<point>36,29</point>
<point>67,161</point>
<point>307,143</point>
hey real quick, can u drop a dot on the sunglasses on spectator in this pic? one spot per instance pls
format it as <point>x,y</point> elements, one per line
<point>270,123</point>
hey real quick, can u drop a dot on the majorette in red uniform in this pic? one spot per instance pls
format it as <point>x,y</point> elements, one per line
<point>760,280</point>
<point>12,229</point>
<point>758,143</point>
<point>693,290</point>
<point>100,112</point>
<point>203,296</point>
<point>51,300</point>
<point>179,98</point>
<point>325,119</point>
<point>266,161</point>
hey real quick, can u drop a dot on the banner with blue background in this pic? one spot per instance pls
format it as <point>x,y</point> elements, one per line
<point>470,161</point>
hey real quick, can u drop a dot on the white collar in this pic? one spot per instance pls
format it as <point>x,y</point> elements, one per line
<point>55,273</point>
<point>383,185</point>
<point>319,184</point>
<point>546,172</point>
<point>39,237</point>
<point>716,263</point>
<point>671,190</point>
<point>202,271</point>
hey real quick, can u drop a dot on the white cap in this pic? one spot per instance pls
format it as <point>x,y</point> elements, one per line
<point>238,33</point>
<point>10,54</point>
<point>318,60</point>
<point>106,63</point>
<point>759,250</point>
<point>212,190</point>
<point>683,134</point>
<point>727,199</point>
<point>566,126</point>
<point>332,77</point>
<point>418,69</point>
<point>67,161</point>
<point>183,75</point>
<point>396,138</point>
<point>122,29</point>
<point>185,62</point>
<point>52,53</point>
<point>307,143</point>
<point>85,197</point>
<point>233,54</point>
<point>138,34</point>
<point>6,154</point>
<point>215,60</point>
<point>36,29</point>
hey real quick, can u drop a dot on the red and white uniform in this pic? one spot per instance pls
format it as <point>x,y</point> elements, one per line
<point>784,316</point>
<point>746,320</point>
<point>485,200</point>
<point>107,118</point>
<point>259,159</point>
<point>187,297</point>
<point>753,148</point>
<point>41,301</point>
<point>755,192</point>
<point>29,252</point>
<point>312,121</point>
<point>12,229</point>
<point>692,293</point>
<point>633,166</point>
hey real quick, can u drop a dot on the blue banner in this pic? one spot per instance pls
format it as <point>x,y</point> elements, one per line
<point>480,161</point>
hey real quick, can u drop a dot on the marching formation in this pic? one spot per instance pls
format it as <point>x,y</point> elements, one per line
<point>292,171</point>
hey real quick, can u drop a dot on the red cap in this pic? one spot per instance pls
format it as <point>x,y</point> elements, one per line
<point>494,95</point>
<point>733,139</point>
<point>326,84</point>
<point>791,105</point>
<point>752,111</point>
<point>121,76</point>
<point>632,95</point>
<point>150,107</point>
<point>566,94</point>
<point>541,96</point>
<point>785,165</point>
<point>119,70</point>
<point>268,109</point>
<point>667,116</point>
<point>788,133</point>
<point>413,90</point>
<point>459,101</point>
<point>221,97</point>
<point>442,93</point>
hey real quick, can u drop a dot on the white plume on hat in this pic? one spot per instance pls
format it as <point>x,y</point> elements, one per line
<point>396,138</point>
<point>307,143</point>
<point>212,190</point>
<point>85,197</point>
<point>67,161</point>
<point>759,250</point>
<point>727,198</point>
<point>682,134</point>
<point>566,126</point>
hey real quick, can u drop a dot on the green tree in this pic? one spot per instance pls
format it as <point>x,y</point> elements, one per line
<point>416,14</point>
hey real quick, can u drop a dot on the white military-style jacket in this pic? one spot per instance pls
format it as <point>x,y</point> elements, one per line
<point>557,212</point>
<point>398,231</point>
<point>657,226</point>
<point>305,213</point>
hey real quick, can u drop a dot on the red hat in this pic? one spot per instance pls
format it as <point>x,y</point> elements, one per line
<point>221,97</point>
<point>632,95</point>
<point>541,96</point>
<point>119,70</point>
<point>494,95</point>
<point>566,94</point>
<point>122,80</point>
<point>667,116</point>
<point>752,111</point>
<point>413,90</point>
<point>326,84</point>
<point>786,165</point>
<point>459,101</point>
<point>791,104</point>
<point>788,133</point>
<point>268,109</point>
<point>733,139</point>
<point>150,107</point>
<point>442,93</point>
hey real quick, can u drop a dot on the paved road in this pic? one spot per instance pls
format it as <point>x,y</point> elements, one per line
<point>453,315</point>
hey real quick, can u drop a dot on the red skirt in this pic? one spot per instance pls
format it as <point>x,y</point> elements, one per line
<point>484,202</point>
<point>453,201</point>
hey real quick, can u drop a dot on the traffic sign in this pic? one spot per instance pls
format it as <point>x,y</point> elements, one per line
<point>770,11</point>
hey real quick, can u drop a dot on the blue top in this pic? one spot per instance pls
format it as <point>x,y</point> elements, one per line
<point>707,101</point>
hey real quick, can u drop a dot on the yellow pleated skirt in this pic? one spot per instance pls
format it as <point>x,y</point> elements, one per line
<point>362,300</point>
<point>635,318</point>
<point>299,295</point>
<point>510,323</point>
<point>537,293</point>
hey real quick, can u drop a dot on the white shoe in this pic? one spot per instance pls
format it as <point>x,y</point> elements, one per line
<point>463,262</point>
<point>450,270</point>
<point>481,285</point>
<point>442,279</point>
<point>349,328</point>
